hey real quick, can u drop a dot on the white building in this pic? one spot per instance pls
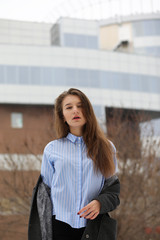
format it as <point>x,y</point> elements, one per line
<point>104,59</point>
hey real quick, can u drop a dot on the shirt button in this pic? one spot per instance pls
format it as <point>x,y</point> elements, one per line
<point>87,235</point>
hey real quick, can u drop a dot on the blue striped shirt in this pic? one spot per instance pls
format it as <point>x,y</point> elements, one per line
<point>70,174</point>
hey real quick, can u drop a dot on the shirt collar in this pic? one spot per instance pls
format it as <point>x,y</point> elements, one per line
<point>74,138</point>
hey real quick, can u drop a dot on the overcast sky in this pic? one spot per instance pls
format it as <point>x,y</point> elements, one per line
<point>51,10</point>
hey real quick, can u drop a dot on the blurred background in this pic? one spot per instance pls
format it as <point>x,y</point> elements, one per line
<point>109,49</point>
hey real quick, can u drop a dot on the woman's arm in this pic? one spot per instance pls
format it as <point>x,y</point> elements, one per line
<point>107,200</point>
<point>47,168</point>
<point>109,196</point>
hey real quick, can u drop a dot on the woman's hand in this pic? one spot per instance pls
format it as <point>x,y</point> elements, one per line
<point>91,210</point>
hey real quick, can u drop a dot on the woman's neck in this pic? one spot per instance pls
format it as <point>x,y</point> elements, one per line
<point>76,131</point>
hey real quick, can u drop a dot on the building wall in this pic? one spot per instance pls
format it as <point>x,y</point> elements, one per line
<point>35,133</point>
<point>24,33</point>
<point>109,37</point>
<point>146,34</point>
<point>112,37</point>
<point>75,33</point>
<point>141,32</point>
<point>35,74</point>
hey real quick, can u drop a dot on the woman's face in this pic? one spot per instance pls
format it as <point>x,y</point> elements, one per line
<point>73,113</point>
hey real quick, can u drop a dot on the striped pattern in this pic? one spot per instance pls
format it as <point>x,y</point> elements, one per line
<point>69,173</point>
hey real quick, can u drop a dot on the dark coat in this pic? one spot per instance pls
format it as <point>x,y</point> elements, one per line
<point>103,227</point>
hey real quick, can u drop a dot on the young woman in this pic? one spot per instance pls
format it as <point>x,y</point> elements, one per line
<point>76,167</point>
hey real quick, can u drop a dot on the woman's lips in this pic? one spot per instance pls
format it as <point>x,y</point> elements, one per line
<point>76,117</point>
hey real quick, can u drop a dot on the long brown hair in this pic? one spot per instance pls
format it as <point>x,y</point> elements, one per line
<point>99,148</point>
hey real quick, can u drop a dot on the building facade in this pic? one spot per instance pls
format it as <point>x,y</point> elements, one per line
<point>138,34</point>
<point>38,61</point>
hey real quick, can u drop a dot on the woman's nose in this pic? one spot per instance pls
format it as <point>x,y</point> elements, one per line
<point>75,109</point>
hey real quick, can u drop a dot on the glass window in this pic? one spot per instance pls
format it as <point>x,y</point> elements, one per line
<point>54,76</point>
<point>81,41</point>
<point>94,78</point>
<point>59,76</point>
<point>71,76</point>
<point>157,28</point>
<point>151,27</point>
<point>146,28</point>
<point>16,120</point>
<point>125,83</point>
<point>82,77</point>
<point>116,80</point>
<point>2,74</point>
<point>137,29</point>
<point>154,84</point>
<point>47,76</point>
<point>23,75</point>
<point>134,82</point>
<point>154,51</point>
<point>35,75</point>
<point>11,74</point>
<point>144,80</point>
<point>110,76</point>
<point>103,79</point>
<point>69,40</point>
<point>92,42</point>
<point>106,79</point>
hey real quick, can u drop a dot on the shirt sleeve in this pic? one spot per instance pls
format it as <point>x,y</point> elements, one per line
<point>47,167</point>
<point>106,180</point>
<point>109,196</point>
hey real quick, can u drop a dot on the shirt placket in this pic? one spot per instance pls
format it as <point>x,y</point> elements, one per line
<point>79,190</point>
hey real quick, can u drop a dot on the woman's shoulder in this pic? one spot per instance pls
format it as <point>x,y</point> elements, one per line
<point>53,143</point>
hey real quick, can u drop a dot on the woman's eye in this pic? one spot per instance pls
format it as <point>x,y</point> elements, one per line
<point>68,107</point>
<point>79,106</point>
